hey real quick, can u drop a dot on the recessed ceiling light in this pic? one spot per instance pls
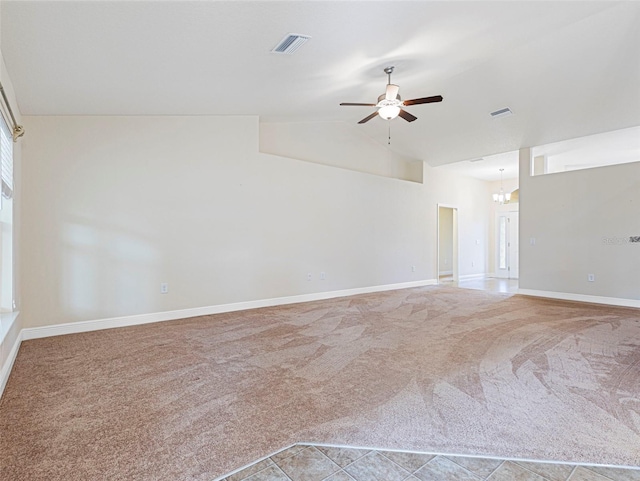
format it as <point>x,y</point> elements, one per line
<point>502,113</point>
<point>290,43</point>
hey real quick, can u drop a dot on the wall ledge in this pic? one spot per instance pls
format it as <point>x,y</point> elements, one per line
<point>7,319</point>
<point>5,371</point>
<point>568,296</point>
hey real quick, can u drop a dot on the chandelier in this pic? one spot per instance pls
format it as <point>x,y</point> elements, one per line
<point>502,197</point>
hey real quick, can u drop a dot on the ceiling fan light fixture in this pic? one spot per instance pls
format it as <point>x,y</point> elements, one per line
<point>389,112</point>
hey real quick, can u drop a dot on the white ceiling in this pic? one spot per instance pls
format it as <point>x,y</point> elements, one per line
<point>566,69</point>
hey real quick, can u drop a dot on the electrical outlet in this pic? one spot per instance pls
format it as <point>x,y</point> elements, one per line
<point>323,276</point>
<point>591,277</point>
<point>413,268</point>
<point>164,288</point>
<point>309,276</point>
<point>473,264</point>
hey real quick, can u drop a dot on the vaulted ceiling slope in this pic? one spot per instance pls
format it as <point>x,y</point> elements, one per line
<point>566,69</point>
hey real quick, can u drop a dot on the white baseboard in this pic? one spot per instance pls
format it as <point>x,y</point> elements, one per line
<point>8,365</point>
<point>96,325</point>
<point>567,296</point>
<point>446,273</point>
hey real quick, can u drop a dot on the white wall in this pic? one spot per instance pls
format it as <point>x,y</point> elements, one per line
<point>581,222</point>
<point>117,205</point>
<point>471,197</point>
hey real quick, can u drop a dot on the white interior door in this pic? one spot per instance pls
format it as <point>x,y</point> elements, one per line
<point>513,246</point>
<point>507,245</point>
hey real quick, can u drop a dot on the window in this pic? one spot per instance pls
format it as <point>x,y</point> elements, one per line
<point>6,218</point>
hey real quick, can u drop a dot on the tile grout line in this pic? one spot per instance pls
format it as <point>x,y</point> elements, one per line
<point>280,469</point>
<point>247,466</point>
<point>491,473</point>
<point>488,478</point>
<point>334,473</point>
<point>342,468</point>
<point>330,460</point>
<point>355,460</point>
<point>599,474</point>
<point>314,449</point>
<point>538,474</point>
<point>472,472</point>
<point>571,473</point>
<point>397,464</point>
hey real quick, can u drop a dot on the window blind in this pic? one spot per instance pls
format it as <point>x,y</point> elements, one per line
<point>6,158</point>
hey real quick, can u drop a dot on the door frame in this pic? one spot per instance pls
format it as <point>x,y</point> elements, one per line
<point>455,252</point>
<point>509,214</point>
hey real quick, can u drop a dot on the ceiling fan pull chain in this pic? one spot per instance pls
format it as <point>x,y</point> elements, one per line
<point>389,124</point>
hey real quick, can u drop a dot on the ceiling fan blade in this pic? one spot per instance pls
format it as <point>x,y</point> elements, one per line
<point>392,92</point>
<point>358,105</point>
<point>407,116</point>
<point>366,119</point>
<point>424,100</point>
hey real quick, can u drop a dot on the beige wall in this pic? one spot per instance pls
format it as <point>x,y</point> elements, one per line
<point>581,222</point>
<point>117,205</point>
<point>445,239</point>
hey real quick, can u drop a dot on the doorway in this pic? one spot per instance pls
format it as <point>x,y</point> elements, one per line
<point>447,244</point>
<point>507,255</point>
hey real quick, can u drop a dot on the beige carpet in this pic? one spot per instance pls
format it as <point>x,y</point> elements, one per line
<point>431,369</point>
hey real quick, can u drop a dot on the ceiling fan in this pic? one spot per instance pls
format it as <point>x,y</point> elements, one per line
<point>390,104</point>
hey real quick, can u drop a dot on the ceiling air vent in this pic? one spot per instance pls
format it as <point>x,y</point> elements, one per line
<point>501,113</point>
<point>290,43</point>
<point>479,159</point>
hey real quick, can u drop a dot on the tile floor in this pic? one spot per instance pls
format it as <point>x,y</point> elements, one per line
<point>323,463</point>
<point>492,284</point>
